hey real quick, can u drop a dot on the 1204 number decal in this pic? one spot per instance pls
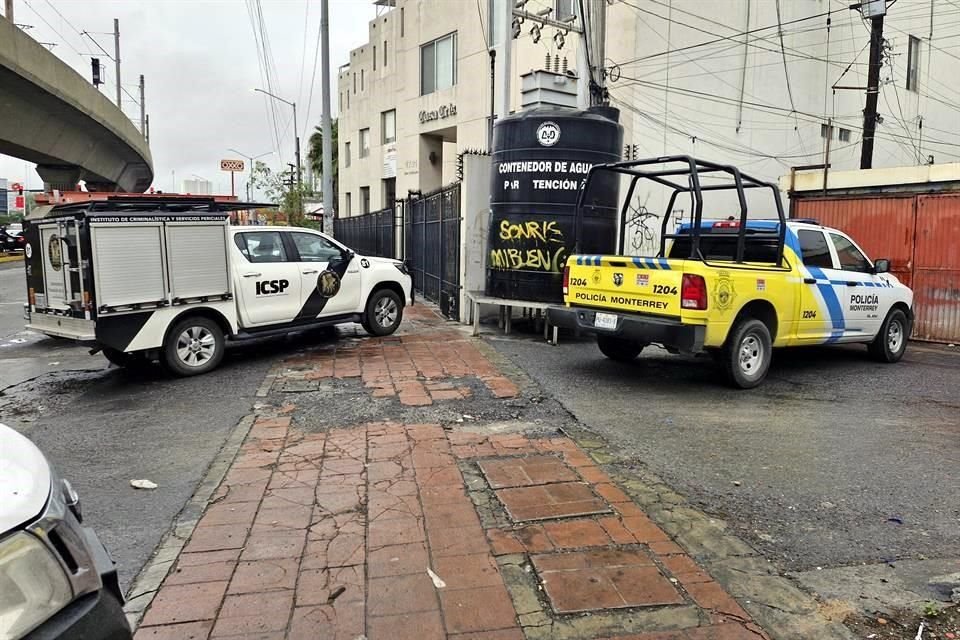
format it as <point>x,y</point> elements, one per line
<point>665,290</point>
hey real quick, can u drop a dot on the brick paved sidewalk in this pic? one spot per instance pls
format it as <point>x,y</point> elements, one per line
<point>390,531</point>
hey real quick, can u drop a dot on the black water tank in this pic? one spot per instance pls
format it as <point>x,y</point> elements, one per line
<point>541,158</point>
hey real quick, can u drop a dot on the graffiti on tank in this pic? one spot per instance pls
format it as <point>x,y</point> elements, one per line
<point>531,245</point>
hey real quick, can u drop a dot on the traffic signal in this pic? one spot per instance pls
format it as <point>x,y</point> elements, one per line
<point>95,69</point>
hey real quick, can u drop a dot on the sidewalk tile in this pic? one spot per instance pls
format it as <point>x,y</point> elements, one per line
<point>501,634</point>
<point>401,594</point>
<point>216,537</point>
<point>504,542</point>
<point>459,541</point>
<point>468,572</point>
<point>291,516</point>
<point>208,566</point>
<point>550,501</point>
<point>185,631</point>
<point>525,472</point>
<point>399,530</point>
<point>185,603</point>
<point>264,575</point>
<point>576,533</point>
<point>316,586</point>
<point>711,595</point>
<point>230,513</point>
<point>337,621</point>
<point>452,516</point>
<point>483,609</point>
<point>615,529</point>
<point>397,560</point>
<point>423,625</point>
<point>343,550</point>
<point>269,545</point>
<point>254,613</point>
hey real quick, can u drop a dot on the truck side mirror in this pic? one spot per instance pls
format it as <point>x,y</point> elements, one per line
<point>881,266</point>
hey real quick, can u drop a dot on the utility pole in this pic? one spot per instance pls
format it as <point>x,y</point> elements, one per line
<point>598,37</point>
<point>143,110</point>
<point>116,56</point>
<point>873,79</point>
<point>296,133</point>
<point>326,124</point>
<point>506,58</point>
<point>9,10</point>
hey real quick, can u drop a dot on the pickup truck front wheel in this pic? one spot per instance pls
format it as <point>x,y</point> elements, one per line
<point>891,341</point>
<point>619,349</point>
<point>748,353</point>
<point>383,313</point>
<point>194,345</point>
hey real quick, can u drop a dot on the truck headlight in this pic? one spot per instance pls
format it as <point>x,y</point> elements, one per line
<point>33,587</point>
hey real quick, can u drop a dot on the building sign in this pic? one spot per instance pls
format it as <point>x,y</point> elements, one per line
<point>442,113</point>
<point>231,165</point>
<point>390,160</point>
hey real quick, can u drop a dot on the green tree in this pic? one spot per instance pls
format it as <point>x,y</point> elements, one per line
<point>281,189</point>
<point>315,156</point>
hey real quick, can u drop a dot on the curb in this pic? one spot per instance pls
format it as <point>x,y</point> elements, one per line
<point>148,581</point>
<point>4,259</point>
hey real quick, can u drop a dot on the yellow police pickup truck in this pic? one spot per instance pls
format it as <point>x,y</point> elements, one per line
<point>733,288</point>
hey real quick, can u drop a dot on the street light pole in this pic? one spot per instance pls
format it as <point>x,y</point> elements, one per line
<point>296,134</point>
<point>250,159</point>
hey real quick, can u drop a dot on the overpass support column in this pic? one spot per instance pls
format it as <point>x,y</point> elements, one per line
<point>61,177</point>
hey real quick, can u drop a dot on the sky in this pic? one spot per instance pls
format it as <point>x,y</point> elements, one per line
<point>200,62</point>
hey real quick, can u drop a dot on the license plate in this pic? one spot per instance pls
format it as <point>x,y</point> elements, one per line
<point>605,321</point>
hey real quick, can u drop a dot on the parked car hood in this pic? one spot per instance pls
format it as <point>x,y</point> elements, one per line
<point>24,480</point>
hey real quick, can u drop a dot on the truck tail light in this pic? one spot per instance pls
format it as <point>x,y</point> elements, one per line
<point>86,300</point>
<point>566,279</point>
<point>693,292</point>
<point>32,296</point>
<point>727,224</point>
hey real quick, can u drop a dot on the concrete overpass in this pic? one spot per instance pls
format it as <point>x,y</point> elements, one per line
<point>52,116</point>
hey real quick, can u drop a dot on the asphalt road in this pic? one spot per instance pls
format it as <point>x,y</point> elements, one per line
<point>102,427</point>
<point>831,455</point>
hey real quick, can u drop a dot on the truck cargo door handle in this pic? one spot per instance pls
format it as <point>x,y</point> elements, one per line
<point>852,284</point>
<point>306,273</point>
<point>809,281</point>
<point>252,275</point>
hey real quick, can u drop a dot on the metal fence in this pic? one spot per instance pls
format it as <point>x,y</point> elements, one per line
<point>372,234</point>
<point>432,247</point>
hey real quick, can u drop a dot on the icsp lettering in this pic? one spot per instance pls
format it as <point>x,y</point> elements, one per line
<point>272,287</point>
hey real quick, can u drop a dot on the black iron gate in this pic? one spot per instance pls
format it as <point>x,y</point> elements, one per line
<point>431,234</point>
<point>372,234</point>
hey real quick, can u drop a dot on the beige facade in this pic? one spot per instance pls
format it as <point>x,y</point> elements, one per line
<point>686,81</point>
<point>384,75</point>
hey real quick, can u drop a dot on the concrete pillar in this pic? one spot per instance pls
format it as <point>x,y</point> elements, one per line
<point>431,163</point>
<point>61,177</point>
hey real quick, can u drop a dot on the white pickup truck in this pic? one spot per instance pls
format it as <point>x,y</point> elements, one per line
<point>168,278</point>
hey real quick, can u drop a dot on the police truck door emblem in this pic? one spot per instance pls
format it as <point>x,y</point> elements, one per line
<point>643,279</point>
<point>364,263</point>
<point>53,251</point>
<point>328,284</point>
<point>548,134</point>
<point>28,250</point>
<point>618,279</point>
<point>725,293</point>
<point>596,276</point>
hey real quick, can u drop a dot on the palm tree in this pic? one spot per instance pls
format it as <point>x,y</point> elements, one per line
<point>315,157</point>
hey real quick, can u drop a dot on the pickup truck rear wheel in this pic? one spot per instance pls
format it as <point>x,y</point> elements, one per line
<point>891,342</point>
<point>619,349</point>
<point>748,353</point>
<point>383,313</point>
<point>194,345</point>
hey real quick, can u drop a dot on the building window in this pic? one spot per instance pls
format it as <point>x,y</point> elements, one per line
<point>826,131</point>
<point>495,20</point>
<point>384,53</point>
<point>402,22</point>
<point>354,83</point>
<point>364,200</point>
<point>364,143</point>
<point>438,64</point>
<point>348,204</point>
<point>844,135</point>
<point>388,126</point>
<point>346,155</point>
<point>374,57</point>
<point>389,192</point>
<point>913,64</point>
<point>362,84</point>
<point>341,101</point>
<point>565,9</point>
